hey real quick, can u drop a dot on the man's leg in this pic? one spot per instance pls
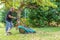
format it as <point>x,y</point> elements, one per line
<point>11,24</point>
<point>8,27</point>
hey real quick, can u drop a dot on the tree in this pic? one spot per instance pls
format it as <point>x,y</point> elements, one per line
<point>38,9</point>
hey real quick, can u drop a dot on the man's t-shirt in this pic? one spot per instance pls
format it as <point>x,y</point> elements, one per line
<point>7,17</point>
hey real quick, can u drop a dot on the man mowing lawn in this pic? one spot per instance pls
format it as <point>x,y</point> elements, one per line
<point>9,18</point>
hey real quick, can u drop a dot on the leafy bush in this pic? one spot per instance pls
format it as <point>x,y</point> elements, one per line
<point>39,17</point>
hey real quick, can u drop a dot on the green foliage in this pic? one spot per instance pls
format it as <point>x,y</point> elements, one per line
<point>40,16</point>
<point>3,15</point>
<point>39,12</point>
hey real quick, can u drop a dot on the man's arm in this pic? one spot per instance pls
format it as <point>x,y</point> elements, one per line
<point>11,16</point>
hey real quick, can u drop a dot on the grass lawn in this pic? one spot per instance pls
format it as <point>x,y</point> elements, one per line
<point>46,33</point>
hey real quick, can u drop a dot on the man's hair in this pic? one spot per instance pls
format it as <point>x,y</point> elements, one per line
<point>11,9</point>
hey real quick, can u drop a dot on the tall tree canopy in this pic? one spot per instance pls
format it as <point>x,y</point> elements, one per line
<point>16,3</point>
<point>38,11</point>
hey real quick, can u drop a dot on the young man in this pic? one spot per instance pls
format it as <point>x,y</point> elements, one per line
<point>9,18</point>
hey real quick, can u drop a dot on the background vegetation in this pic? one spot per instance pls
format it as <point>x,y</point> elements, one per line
<point>37,12</point>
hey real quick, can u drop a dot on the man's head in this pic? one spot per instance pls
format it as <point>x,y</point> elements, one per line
<point>12,9</point>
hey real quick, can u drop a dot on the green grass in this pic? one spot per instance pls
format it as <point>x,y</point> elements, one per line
<point>46,33</point>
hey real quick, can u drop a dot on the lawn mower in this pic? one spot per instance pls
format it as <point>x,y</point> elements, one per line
<point>23,28</point>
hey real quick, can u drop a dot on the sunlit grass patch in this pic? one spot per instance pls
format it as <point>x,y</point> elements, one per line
<point>49,33</point>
